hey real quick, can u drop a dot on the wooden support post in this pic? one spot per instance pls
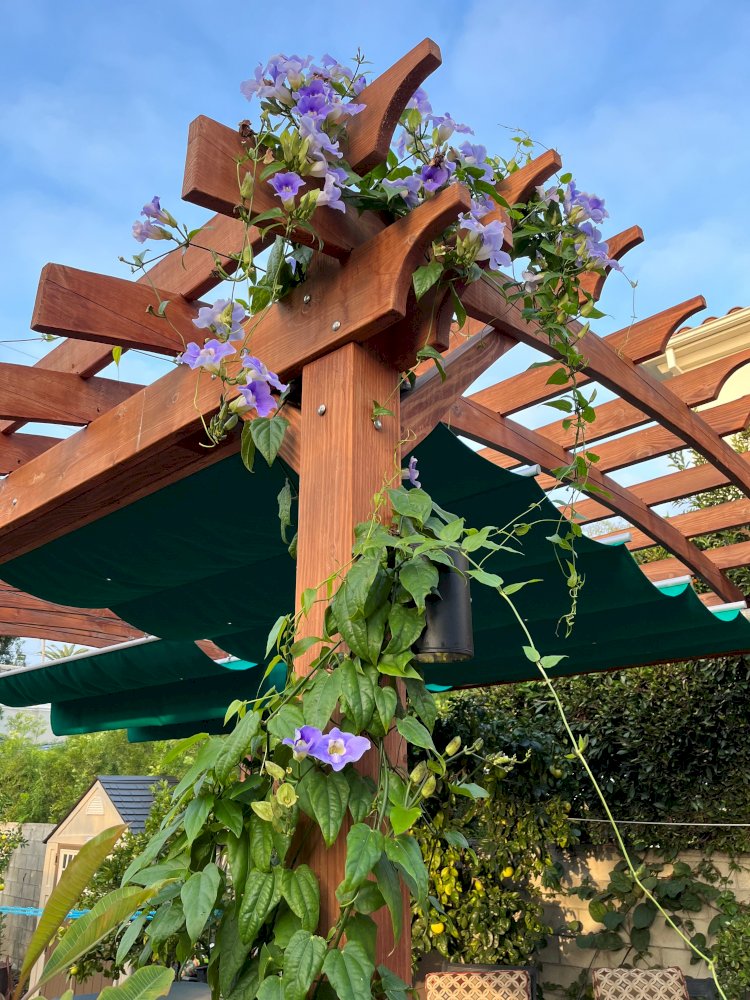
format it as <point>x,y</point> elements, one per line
<point>344,461</point>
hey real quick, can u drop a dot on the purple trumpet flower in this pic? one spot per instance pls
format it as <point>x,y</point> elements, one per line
<point>581,206</point>
<point>224,317</point>
<point>435,175</point>
<point>286,184</point>
<point>407,187</point>
<point>412,473</point>
<point>257,396</point>
<point>143,231</point>
<point>420,101</point>
<point>303,741</point>
<point>331,193</point>
<point>339,749</point>
<point>209,356</point>
<point>257,372</point>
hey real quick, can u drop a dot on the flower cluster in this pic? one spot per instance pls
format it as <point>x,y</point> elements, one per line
<point>148,230</point>
<point>254,383</point>
<point>334,748</point>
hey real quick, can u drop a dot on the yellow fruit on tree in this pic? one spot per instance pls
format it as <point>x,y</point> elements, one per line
<point>507,872</point>
<point>437,928</point>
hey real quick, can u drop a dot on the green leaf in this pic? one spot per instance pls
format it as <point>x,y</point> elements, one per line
<point>403,819</point>
<point>302,892</point>
<point>405,853</point>
<point>169,920</point>
<point>422,701</point>
<point>196,815</point>
<point>144,984</point>
<point>349,971</point>
<point>485,578</point>
<point>284,500</point>
<point>456,839</point>
<point>247,446</point>
<point>66,894</point>
<point>361,794</point>
<point>230,815</point>
<point>238,855</point>
<point>260,843</point>
<point>425,277</point>
<point>598,910</point>
<point>303,961</point>
<point>320,701</point>
<point>268,435</point>
<point>358,691</point>
<point>236,746</point>
<point>324,798</point>
<point>262,893</point>
<point>271,988</point>
<point>363,849</point>
<point>198,897</point>
<point>286,720</point>
<point>548,662</point>
<point>386,701</point>
<point>419,577</point>
<point>415,733</point>
<point>405,625</point>
<point>470,790</point>
<point>129,938</point>
<point>390,889</point>
<point>559,377</point>
<point>643,915</point>
<point>232,949</point>
<point>117,354</point>
<point>415,504</point>
<point>361,928</point>
<point>428,353</point>
<point>393,986</point>
<point>86,932</point>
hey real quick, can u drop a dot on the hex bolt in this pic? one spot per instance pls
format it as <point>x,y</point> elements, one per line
<point>14,501</point>
<point>377,424</point>
<point>336,325</point>
<point>307,299</point>
<point>321,409</point>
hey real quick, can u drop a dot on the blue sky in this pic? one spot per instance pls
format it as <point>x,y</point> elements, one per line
<point>646,102</point>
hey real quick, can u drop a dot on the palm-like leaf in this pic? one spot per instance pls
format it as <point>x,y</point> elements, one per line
<point>145,984</point>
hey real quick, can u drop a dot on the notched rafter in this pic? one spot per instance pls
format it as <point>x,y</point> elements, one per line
<point>27,393</point>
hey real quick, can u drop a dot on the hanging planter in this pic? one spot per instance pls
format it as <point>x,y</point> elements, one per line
<point>448,635</point>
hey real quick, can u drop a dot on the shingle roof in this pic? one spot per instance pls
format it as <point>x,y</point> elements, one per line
<point>132,796</point>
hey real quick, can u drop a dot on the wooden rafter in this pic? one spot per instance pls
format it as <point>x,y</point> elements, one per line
<point>15,449</point>
<point>733,514</point>
<point>27,393</point>
<point>726,557</point>
<point>481,424</point>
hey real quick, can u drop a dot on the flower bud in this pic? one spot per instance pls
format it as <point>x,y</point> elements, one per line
<point>478,744</point>
<point>453,747</point>
<point>286,796</point>
<point>275,771</point>
<point>429,787</point>
<point>419,773</point>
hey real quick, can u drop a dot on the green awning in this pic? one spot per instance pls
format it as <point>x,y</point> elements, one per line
<point>163,565</point>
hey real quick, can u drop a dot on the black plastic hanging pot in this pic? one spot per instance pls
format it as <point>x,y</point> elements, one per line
<point>448,635</point>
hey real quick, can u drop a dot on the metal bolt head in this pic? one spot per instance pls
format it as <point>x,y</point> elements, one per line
<point>14,501</point>
<point>307,299</point>
<point>321,409</point>
<point>377,424</point>
<point>336,325</point>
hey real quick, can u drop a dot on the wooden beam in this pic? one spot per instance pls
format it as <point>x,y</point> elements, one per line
<point>154,437</point>
<point>663,489</point>
<point>27,393</point>
<point>335,493</point>
<point>694,388</point>
<point>617,372</point>
<point>733,514</point>
<point>727,557</point>
<point>15,449</point>
<point>592,283</point>
<point>475,421</point>
<point>29,617</point>
<point>639,342</point>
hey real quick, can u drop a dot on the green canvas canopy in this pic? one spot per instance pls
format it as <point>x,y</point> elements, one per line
<point>203,558</point>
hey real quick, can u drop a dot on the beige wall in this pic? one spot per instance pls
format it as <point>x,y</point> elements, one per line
<point>23,881</point>
<point>563,960</point>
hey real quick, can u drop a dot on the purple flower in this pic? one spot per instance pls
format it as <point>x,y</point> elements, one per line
<point>446,126</point>
<point>591,248</point>
<point>303,740</point>
<point>581,206</point>
<point>153,210</point>
<point>407,187</point>
<point>143,231</point>
<point>338,749</point>
<point>257,372</point>
<point>435,175</point>
<point>476,156</point>
<point>531,281</point>
<point>420,101</point>
<point>490,240</point>
<point>359,85</point>
<point>257,396</point>
<point>224,317</point>
<point>481,205</point>
<point>286,184</point>
<point>331,193</point>
<point>209,356</point>
<point>412,473</point>
<point>547,195</point>
<point>321,144</point>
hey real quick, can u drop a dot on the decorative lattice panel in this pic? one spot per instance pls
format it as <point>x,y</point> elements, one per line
<point>497,984</point>
<point>639,984</point>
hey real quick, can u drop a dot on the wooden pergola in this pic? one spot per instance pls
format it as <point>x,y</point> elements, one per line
<point>347,334</point>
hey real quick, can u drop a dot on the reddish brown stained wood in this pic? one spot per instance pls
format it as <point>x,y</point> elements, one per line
<point>336,490</point>
<point>16,449</point>
<point>139,446</point>
<point>88,306</point>
<point>518,187</point>
<point>211,181</point>
<point>473,420</point>
<point>371,132</point>
<point>727,557</point>
<point>663,489</point>
<point>424,406</point>
<point>24,615</point>
<point>619,373</point>
<point>27,393</point>
<point>733,514</point>
<point>695,388</point>
<point>592,283</point>
<point>639,342</point>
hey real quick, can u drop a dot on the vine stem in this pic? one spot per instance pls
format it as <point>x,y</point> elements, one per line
<point>710,964</point>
